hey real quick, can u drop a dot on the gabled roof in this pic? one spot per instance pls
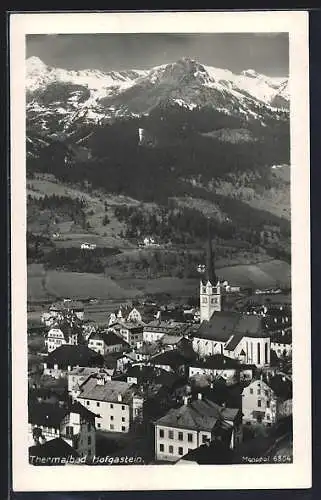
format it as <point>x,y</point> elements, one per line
<point>74,355</point>
<point>172,358</point>
<point>109,338</point>
<point>200,414</point>
<point>51,415</point>
<point>55,448</point>
<point>220,327</point>
<point>171,339</point>
<point>109,391</point>
<point>224,324</point>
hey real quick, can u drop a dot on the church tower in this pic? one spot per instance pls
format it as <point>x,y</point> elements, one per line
<point>210,288</point>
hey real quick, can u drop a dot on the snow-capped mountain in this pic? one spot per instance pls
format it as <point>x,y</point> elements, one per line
<point>57,98</point>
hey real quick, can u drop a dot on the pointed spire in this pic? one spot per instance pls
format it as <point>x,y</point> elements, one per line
<point>210,266</point>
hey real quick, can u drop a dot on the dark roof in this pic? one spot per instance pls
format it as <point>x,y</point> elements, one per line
<point>172,358</point>
<point>215,452</point>
<point>53,449</point>
<point>250,325</point>
<point>109,338</point>
<point>281,385</point>
<point>217,361</point>
<point>51,415</point>
<point>46,414</point>
<point>220,327</point>
<point>200,414</point>
<point>74,355</point>
<point>224,324</point>
<point>234,342</point>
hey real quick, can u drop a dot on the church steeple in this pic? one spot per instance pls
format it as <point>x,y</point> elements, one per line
<point>210,288</point>
<point>210,265</point>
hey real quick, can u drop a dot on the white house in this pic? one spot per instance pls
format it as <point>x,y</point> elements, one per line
<point>66,331</point>
<point>117,403</point>
<point>88,246</point>
<point>195,423</point>
<point>107,342</point>
<point>259,403</point>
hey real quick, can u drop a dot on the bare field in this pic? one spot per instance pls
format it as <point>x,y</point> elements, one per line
<point>48,285</point>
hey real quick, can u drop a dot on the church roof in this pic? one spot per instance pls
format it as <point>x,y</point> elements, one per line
<point>220,327</point>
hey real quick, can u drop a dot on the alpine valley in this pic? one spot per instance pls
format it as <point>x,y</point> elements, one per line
<point>155,153</point>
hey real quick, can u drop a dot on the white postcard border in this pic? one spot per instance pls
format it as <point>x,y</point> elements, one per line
<point>164,477</point>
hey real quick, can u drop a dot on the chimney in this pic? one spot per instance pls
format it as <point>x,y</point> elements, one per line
<point>199,395</point>
<point>119,398</point>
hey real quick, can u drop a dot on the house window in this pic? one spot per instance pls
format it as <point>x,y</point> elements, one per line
<point>268,417</point>
<point>111,417</point>
<point>251,391</point>
<point>111,427</point>
<point>161,433</point>
<point>204,438</point>
<point>268,404</point>
<point>88,427</point>
<point>190,438</point>
<point>204,300</point>
<point>258,354</point>
<point>123,407</point>
<point>259,392</point>
<point>112,406</point>
<point>123,428</point>
<point>123,419</point>
<point>180,450</point>
<point>180,436</point>
<point>87,402</point>
<point>69,430</point>
<point>266,353</point>
<point>89,439</point>
<point>170,449</point>
<point>170,434</point>
<point>161,447</point>
<point>259,403</point>
<point>98,425</point>
<point>98,404</point>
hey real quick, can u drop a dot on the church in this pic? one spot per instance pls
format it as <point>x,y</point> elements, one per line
<point>230,333</point>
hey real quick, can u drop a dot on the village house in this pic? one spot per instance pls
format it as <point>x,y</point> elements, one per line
<point>145,352</point>
<point>105,342</point>
<point>66,331</point>
<point>66,357</point>
<point>132,333</point>
<point>59,309</point>
<point>156,329</point>
<point>118,404</point>
<point>170,360</point>
<point>88,246</point>
<point>193,424</point>
<point>74,424</point>
<point>77,376</point>
<point>124,360</point>
<point>264,402</point>
<point>216,366</point>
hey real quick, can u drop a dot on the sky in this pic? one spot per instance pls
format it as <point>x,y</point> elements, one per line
<point>266,53</point>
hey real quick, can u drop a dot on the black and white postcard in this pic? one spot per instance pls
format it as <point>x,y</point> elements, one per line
<point>160,251</point>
